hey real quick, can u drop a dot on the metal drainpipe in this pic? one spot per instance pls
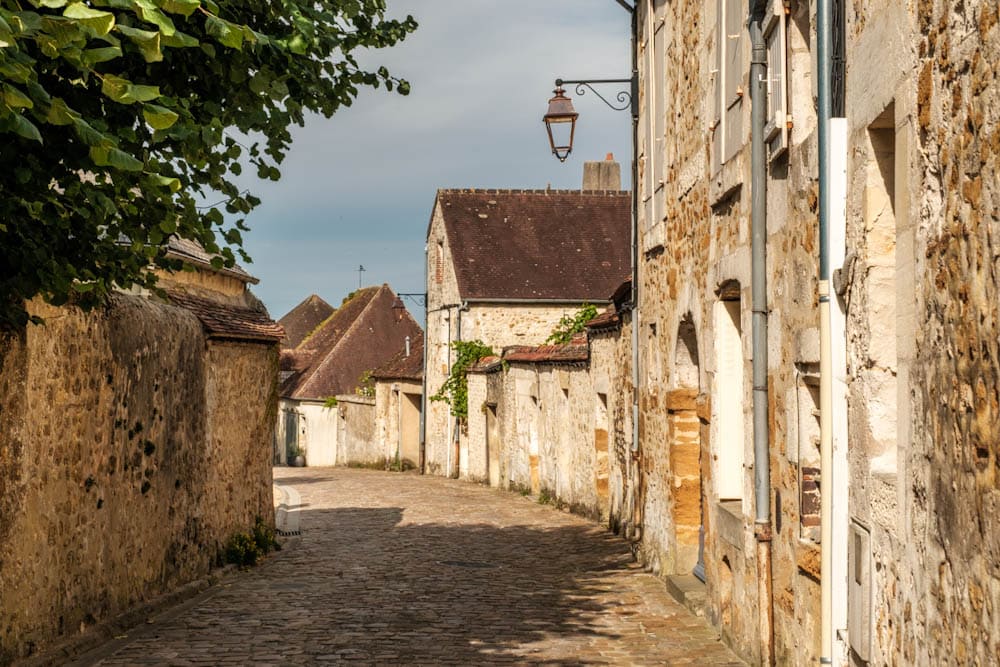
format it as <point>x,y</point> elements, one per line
<point>454,463</point>
<point>758,250</point>
<point>635,257</point>
<point>423,380</point>
<point>824,111</point>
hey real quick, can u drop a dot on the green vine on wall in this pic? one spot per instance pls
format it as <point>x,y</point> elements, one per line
<point>572,324</point>
<point>455,390</point>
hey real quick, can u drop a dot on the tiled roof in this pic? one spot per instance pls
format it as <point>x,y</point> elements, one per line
<point>608,319</point>
<point>301,320</point>
<point>225,321</point>
<point>192,252</point>
<point>403,367</point>
<point>567,245</point>
<point>575,351</point>
<point>361,335</point>
<point>486,364</point>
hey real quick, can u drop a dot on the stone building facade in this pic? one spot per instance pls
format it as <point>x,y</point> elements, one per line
<point>134,442</point>
<point>554,421</point>
<point>503,267</point>
<point>914,223</point>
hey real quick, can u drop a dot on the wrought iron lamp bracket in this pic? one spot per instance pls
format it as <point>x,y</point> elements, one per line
<point>627,99</point>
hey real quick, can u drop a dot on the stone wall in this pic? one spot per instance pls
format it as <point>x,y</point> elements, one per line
<point>397,421</point>
<point>131,449</point>
<point>357,443</point>
<point>932,502</point>
<point>559,430</point>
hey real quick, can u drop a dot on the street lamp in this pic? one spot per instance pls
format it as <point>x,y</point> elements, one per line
<point>561,112</point>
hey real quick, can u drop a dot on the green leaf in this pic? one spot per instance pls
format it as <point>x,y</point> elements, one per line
<point>124,91</point>
<point>224,32</point>
<point>159,118</point>
<point>108,156</point>
<point>16,99</point>
<point>150,13</point>
<point>101,55</point>
<point>20,125</point>
<point>182,7</point>
<point>178,40</point>
<point>99,21</point>
<point>169,226</point>
<point>147,41</point>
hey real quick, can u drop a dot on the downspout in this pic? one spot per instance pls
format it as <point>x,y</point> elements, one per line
<point>824,111</point>
<point>423,379</point>
<point>455,454</point>
<point>758,250</point>
<point>635,263</point>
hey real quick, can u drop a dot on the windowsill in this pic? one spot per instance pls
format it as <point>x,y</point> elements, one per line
<point>729,517</point>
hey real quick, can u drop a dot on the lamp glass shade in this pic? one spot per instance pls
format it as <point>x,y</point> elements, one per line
<point>560,123</point>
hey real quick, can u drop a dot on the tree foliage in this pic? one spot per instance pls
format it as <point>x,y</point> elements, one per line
<point>118,117</point>
<point>455,390</point>
<point>572,324</point>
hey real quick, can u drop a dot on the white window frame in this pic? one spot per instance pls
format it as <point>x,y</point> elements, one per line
<point>775,39</point>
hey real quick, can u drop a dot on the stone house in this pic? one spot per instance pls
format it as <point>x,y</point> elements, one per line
<point>134,442</point>
<point>914,374</point>
<point>554,420</point>
<point>332,360</point>
<point>503,266</point>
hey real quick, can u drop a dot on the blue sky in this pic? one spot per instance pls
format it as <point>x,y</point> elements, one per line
<point>358,188</point>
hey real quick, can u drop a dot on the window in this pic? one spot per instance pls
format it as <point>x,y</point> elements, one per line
<point>776,129</point>
<point>727,137</point>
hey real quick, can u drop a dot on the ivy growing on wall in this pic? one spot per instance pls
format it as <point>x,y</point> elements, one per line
<point>572,324</point>
<point>455,390</point>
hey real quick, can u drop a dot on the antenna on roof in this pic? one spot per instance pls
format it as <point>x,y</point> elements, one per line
<point>361,269</point>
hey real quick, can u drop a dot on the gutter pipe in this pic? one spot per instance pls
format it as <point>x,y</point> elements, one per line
<point>455,451</point>
<point>824,112</point>
<point>424,402</point>
<point>758,251</point>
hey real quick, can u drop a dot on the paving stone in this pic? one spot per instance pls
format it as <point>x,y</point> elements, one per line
<point>409,570</point>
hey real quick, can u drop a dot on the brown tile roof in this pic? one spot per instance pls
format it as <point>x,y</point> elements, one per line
<point>575,351</point>
<point>192,252</point>
<point>567,245</point>
<point>486,364</point>
<point>403,367</point>
<point>361,335</point>
<point>221,320</point>
<point>606,320</point>
<point>301,320</point>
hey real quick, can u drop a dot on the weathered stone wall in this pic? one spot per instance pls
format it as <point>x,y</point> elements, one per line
<point>696,457</point>
<point>356,441</point>
<point>131,448</point>
<point>932,501</point>
<point>611,377</point>
<point>397,420</point>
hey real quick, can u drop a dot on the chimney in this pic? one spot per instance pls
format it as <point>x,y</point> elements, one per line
<point>606,175</point>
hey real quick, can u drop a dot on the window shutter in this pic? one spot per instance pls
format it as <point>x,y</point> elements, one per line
<point>717,115</point>
<point>776,129</point>
<point>732,93</point>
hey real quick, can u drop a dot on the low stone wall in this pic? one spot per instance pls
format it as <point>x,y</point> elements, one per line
<point>558,430</point>
<point>131,448</point>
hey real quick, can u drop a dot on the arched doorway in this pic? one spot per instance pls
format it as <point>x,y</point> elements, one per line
<point>684,437</point>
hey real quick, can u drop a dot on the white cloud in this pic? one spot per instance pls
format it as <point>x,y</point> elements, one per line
<point>358,188</point>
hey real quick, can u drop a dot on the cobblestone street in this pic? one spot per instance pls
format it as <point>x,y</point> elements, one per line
<point>401,569</point>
